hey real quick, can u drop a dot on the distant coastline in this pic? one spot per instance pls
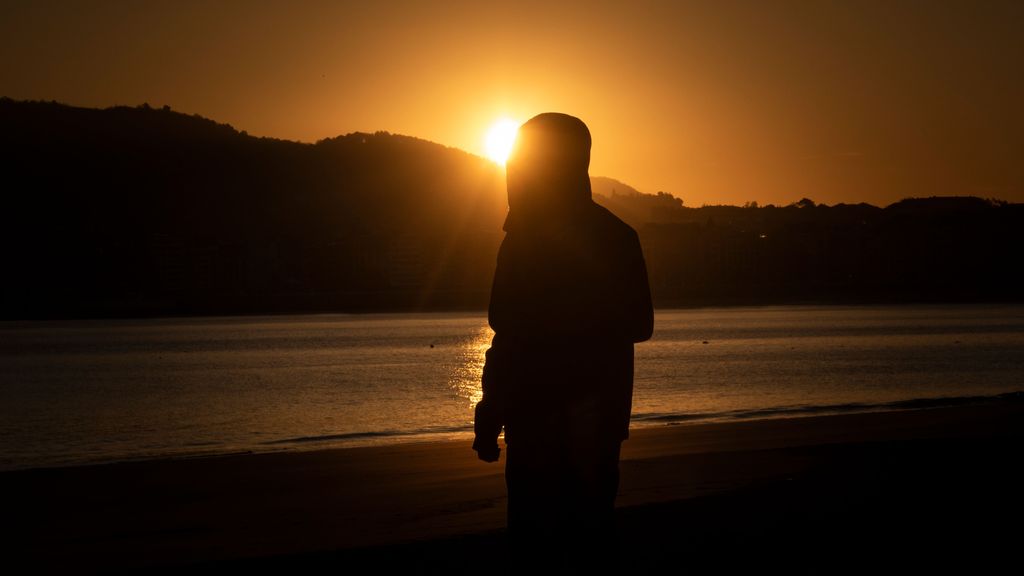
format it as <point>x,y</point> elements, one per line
<point>145,212</point>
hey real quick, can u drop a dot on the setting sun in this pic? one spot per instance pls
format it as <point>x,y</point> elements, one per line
<point>500,139</point>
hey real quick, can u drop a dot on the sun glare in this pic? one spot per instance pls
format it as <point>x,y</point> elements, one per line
<point>500,139</point>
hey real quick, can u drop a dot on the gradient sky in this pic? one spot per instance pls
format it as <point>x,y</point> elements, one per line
<point>714,102</point>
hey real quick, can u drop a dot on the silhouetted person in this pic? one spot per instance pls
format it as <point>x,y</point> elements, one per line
<point>569,300</point>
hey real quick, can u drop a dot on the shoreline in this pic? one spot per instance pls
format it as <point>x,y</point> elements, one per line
<point>645,422</point>
<point>320,505</point>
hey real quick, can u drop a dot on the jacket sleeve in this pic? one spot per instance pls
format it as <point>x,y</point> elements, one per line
<point>489,417</point>
<point>638,296</point>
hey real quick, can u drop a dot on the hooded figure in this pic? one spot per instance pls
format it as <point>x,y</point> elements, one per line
<point>570,298</point>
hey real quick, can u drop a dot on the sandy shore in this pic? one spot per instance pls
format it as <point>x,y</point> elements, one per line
<point>881,492</point>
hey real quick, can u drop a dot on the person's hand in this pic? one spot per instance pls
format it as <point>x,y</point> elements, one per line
<point>488,453</point>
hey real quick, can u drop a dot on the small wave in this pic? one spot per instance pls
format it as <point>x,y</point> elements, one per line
<point>678,418</point>
<point>369,435</point>
<point>811,410</point>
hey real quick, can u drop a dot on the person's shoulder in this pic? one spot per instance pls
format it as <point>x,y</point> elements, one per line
<point>611,224</point>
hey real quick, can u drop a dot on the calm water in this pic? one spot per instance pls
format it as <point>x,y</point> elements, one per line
<point>92,391</point>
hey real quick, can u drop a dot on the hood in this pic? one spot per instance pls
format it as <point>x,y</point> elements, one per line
<point>547,173</point>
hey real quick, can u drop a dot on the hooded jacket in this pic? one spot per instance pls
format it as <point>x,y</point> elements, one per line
<point>570,296</point>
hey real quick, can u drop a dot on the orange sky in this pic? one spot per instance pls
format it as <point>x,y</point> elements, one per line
<point>715,102</point>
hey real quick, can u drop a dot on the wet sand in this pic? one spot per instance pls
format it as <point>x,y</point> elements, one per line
<point>914,490</point>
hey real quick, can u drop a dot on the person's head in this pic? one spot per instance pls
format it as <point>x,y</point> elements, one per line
<point>547,171</point>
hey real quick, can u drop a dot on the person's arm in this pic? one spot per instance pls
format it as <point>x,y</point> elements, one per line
<point>639,321</point>
<point>641,309</point>
<point>489,416</point>
<point>490,411</point>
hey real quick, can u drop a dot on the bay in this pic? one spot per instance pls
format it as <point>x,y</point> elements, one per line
<point>106,390</point>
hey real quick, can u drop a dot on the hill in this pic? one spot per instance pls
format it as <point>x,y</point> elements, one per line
<point>141,211</point>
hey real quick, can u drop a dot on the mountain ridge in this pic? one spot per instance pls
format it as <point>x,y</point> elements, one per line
<point>144,211</point>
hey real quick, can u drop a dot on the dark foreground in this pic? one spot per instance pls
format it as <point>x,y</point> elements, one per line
<point>900,492</point>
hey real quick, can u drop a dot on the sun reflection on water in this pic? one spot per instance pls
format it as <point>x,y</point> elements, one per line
<point>465,378</point>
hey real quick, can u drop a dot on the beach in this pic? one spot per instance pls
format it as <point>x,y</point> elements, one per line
<point>875,491</point>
